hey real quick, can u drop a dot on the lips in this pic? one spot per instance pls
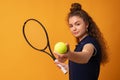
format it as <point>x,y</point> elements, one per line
<point>75,33</point>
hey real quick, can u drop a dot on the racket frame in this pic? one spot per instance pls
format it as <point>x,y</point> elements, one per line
<point>48,43</point>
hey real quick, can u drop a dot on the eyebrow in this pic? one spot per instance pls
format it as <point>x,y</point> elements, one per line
<point>77,22</point>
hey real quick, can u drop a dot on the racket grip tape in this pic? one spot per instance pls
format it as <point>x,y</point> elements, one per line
<point>61,67</point>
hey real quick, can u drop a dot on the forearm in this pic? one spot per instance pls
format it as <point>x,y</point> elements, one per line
<point>79,57</point>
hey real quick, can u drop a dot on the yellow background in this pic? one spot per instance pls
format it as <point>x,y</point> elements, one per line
<point>18,61</point>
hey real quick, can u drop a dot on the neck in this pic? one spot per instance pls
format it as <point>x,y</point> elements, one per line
<point>81,38</point>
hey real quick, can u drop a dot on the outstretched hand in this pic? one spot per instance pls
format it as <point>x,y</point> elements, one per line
<point>63,57</point>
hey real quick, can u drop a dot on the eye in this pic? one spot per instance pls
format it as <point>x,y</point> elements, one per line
<point>70,25</point>
<point>77,24</point>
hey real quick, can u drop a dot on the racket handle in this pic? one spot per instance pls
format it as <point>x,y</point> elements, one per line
<point>61,67</point>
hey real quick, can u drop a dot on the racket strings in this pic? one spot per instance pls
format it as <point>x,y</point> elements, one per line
<point>39,41</point>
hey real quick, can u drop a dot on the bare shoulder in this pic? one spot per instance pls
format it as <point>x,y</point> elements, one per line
<point>89,47</point>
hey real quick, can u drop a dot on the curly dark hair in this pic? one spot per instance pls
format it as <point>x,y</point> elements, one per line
<point>93,29</point>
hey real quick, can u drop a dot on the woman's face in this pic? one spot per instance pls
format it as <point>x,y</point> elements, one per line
<point>77,26</point>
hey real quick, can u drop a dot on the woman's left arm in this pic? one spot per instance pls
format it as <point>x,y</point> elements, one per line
<point>83,56</point>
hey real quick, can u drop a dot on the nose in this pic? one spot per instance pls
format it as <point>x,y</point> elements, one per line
<point>74,28</point>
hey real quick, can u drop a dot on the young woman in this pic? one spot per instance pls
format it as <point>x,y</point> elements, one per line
<point>90,51</point>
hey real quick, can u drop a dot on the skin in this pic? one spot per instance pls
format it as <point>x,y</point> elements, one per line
<point>78,29</point>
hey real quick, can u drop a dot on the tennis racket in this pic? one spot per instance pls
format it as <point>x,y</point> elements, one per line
<point>36,36</point>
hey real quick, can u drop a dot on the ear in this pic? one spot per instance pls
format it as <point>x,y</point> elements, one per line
<point>87,25</point>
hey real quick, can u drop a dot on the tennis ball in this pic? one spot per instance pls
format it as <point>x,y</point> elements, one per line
<point>60,47</point>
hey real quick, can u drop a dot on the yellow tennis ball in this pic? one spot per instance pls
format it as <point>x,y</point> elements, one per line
<point>60,47</point>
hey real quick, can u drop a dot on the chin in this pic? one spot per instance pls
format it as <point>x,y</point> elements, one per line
<point>77,36</point>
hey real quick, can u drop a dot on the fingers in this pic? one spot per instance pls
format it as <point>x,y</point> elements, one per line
<point>68,47</point>
<point>60,55</point>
